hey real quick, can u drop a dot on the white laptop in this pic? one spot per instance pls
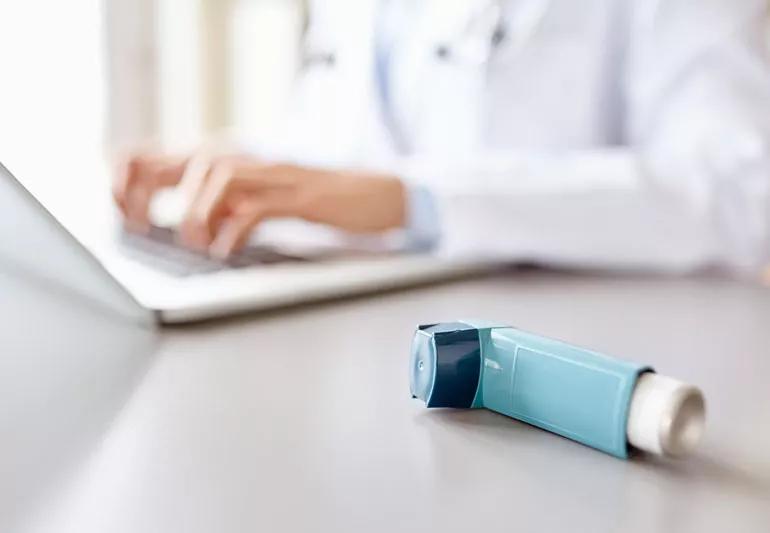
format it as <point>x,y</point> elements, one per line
<point>150,279</point>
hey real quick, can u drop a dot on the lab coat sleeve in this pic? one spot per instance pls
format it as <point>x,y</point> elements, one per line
<point>690,189</point>
<point>422,229</point>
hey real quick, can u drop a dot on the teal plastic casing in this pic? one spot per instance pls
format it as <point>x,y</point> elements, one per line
<point>577,393</point>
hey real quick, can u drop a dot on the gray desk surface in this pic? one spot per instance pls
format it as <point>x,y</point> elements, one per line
<point>301,420</point>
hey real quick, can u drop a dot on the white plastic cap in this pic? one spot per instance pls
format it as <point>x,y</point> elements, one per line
<point>666,416</point>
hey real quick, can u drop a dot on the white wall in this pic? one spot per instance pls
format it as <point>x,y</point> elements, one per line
<point>264,55</point>
<point>223,64</point>
<point>52,77</point>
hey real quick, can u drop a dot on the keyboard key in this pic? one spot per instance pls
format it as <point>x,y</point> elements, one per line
<point>159,249</point>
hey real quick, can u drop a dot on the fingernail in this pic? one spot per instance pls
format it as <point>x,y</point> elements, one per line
<point>220,250</point>
<point>193,238</point>
<point>136,226</point>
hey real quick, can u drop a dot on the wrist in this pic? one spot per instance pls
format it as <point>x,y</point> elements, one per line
<point>422,227</point>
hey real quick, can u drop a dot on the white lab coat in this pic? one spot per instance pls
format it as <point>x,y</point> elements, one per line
<point>598,133</point>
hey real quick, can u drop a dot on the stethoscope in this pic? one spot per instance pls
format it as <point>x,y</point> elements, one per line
<point>477,40</point>
<point>475,43</point>
<point>487,28</point>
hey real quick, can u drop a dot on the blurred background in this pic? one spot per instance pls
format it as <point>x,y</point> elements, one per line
<point>88,78</point>
<point>110,73</point>
<point>96,76</point>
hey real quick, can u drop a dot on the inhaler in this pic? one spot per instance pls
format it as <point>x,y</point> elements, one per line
<point>597,400</point>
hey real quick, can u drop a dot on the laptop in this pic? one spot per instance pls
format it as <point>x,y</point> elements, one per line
<point>150,279</point>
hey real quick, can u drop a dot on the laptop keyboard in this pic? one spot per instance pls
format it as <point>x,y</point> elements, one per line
<point>159,249</point>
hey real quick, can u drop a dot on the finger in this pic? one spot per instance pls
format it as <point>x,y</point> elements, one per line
<point>168,170</point>
<point>133,193</point>
<point>124,174</point>
<point>250,175</point>
<point>139,177</point>
<point>194,176</point>
<point>241,194</point>
<point>208,208</point>
<point>198,168</point>
<point>138,206</point>
<point>231,188</point>
<point>193,185</point>
<point>233,233</point>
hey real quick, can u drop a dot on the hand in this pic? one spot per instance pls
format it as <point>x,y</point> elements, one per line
<point>137,179</point>
<point>231,195</point>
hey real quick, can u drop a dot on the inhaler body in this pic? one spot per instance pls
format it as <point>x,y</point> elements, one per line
<point>586,396</point>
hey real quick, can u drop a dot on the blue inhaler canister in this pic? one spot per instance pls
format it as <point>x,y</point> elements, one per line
<point>600,401</point>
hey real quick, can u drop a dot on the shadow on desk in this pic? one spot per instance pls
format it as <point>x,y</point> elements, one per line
<point>66,371</point>
<point>703,468</point>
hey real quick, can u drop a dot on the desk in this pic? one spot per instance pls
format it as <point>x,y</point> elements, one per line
<point>301,420</point>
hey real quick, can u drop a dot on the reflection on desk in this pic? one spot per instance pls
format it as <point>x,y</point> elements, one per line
<point>66,371</point>
<point>301,420</point>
